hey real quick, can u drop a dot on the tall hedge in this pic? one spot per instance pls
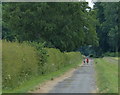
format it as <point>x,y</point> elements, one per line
<point>23,61</point>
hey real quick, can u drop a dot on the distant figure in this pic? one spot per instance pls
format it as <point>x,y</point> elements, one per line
<point>87,60</point>
<point>84,61</point>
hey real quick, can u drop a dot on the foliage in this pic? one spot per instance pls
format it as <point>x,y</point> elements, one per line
<point>65,26</point>
<point>107,30</point>
<point>23,61</point>
<point>42,53</point>
<point>112,54</point>
<point>30,85</point>
<point>20,63</point>
<point>57,60</point>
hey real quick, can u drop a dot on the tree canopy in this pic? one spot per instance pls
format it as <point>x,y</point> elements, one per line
<point>66,26</point>
<point>107,30</point>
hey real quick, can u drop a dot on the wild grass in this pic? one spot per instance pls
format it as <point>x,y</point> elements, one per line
<point>107,76</point>
<point>116,58</point>
<point>19,63</point>
<point>23,65</point>
<point>35,81</point>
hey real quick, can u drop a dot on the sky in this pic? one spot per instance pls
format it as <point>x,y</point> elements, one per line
<point>90,3</point>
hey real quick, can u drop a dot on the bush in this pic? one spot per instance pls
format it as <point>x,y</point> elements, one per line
<point>42,54</point>
<point>23,61</point>
<point>20,63</point>
<point>57,60</point>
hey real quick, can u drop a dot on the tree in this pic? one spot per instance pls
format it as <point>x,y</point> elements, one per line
<point>107,14</point>
<point>66,26</point>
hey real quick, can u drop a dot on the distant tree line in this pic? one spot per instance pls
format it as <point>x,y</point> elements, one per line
<point>108,29</point>
<point>66,26</point>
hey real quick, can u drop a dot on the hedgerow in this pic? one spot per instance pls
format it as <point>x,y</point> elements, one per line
<point>23,61</point>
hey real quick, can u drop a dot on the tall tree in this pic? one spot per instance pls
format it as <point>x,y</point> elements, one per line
<point>66,26</point>
<point>107,14</point>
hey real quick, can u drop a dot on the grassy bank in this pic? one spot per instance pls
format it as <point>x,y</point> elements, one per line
<point>25,66</point>
<point>107,76</point>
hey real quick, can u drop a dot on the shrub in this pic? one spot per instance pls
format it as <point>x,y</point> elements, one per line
<point>57,60</point>
<point>42,55</point>
<point>23,61</point>
<point>20,63</point>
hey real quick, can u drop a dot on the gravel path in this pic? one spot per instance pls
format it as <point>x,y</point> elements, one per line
<point>82,81</point>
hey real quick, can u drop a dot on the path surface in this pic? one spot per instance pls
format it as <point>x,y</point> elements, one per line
<point>82,81</point>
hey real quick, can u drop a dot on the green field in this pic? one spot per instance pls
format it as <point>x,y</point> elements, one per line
<point>106,75</point>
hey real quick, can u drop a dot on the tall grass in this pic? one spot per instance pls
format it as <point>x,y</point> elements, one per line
<point>20,63</point>
<point>23,62</point>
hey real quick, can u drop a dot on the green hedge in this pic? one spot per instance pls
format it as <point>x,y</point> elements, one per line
<point>23,61</point>
<point>56,59</point>
<point>20,63</point>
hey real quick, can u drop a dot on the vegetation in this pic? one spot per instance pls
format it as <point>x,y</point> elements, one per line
<point>34,81</point>
<point>107,30</point>
<point>112,54</point>
<point>21,63</point>
<point>107,76</point>
<point>65,26</point>
<point>17,66</point>
<point>39,40</point>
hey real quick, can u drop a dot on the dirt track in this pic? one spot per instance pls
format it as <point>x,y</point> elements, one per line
<point>80,80</point>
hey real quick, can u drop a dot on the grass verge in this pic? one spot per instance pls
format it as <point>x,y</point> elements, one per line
<point>107,76</point>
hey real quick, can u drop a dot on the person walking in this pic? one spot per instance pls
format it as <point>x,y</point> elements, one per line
<point>84,61</point>
<point>87,60</point>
